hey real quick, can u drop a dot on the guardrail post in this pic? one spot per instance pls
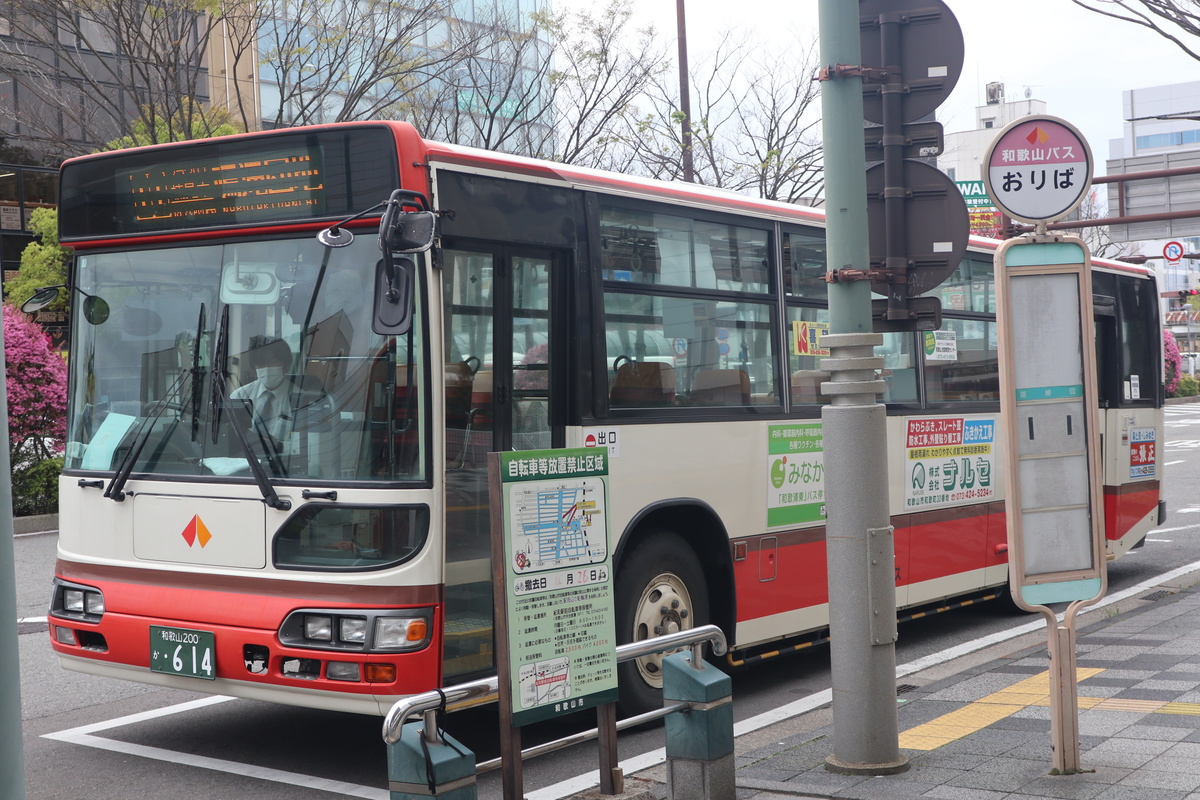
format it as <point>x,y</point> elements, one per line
<point>699,741</point>
<point>421,766</point>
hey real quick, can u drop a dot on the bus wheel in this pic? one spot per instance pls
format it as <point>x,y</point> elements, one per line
<point>660,589</point>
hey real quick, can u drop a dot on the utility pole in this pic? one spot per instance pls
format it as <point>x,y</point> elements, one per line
<point>12,769</point>
<point>685,103</point>
<point>859,546</point>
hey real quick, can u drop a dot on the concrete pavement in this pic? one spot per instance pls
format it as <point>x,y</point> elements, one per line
<point>979,729</point>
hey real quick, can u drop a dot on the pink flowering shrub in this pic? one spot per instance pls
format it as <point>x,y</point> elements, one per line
<point>1172,361</point>
<point>37,413</point>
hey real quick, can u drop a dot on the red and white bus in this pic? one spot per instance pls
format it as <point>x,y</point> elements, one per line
<point>337,556</point>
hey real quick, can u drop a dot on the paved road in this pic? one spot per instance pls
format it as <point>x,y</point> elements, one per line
<point>98,739</point>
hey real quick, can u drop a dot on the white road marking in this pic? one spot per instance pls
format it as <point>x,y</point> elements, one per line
<point>83,734</point>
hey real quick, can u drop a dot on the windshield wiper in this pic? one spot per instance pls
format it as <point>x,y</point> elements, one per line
<point>220,356</point>
<point>260,475</point>
<point>216,402</point>
<point>115,490</point>
<point>197,378</point>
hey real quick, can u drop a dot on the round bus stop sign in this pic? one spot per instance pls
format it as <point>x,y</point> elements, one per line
<point>1038,169</point>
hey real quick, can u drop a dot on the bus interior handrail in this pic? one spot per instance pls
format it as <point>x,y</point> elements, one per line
<point>486,690</point>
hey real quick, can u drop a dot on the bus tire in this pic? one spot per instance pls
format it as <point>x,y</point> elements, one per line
<point>661,588</point>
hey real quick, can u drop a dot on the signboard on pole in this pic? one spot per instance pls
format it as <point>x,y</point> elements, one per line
<point>1039,169</point>
<point>554,590</point>
<point>985,218</point>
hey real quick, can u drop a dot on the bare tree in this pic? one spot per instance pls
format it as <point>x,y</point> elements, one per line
<point>338,60</point>
<point>1100,243</point>
<point>604,70</point>
<point>779,141</point>
<point>1175,20</point>
<point>493,91</point>
<point>754,126</point>
<point>95,67</point>
<point>561,87</point>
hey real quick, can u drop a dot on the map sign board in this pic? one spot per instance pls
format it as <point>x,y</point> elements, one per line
<point>557,573</point>
<point>1038,169</point>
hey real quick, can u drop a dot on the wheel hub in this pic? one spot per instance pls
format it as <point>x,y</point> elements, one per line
<point>665,607</point>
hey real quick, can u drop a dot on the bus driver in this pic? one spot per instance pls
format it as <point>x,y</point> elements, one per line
<point>268,396</point>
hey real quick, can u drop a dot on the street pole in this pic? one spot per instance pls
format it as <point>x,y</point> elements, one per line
<point>859,547</point>
<point>12,769</point>
<point>685,102</point>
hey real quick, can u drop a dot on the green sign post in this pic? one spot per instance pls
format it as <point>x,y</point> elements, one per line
<point>558,594</point>
<point>552,569</point>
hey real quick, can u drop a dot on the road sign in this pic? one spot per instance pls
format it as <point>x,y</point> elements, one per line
<point>1173,251</point>
<point>1039,169</point>
<point>936,224</point>
<point>930,55</point>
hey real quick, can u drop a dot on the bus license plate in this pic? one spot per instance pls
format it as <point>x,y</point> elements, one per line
<point>179,651</point>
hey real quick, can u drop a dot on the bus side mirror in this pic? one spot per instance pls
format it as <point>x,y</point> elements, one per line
<point>406,231</point>
<point>47,295</point>
<point>394,278</point>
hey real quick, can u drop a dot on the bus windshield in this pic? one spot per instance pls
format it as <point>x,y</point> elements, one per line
<point>209,356</point>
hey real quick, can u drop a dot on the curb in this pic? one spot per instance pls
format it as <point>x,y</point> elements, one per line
<point>39,523</point>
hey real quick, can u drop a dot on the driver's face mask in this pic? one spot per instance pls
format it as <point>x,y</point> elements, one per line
<point>270,376</point>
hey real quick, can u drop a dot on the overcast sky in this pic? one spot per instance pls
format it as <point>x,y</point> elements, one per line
<point>1077,61</point>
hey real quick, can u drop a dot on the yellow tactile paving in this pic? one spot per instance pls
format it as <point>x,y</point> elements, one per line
<point>1192,709</point>
<point>1033,691</point>
<point>983,712</point>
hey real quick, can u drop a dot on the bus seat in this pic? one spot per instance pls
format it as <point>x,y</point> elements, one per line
<point>638,384</point>
<point>458,393</point>
<point>721,387</point>
<point>480,413</point>
<point>806,386</point>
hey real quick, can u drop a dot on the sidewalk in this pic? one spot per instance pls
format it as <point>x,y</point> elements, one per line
<point>983,733</point>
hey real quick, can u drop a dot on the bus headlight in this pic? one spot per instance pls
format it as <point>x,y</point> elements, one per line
<point>359,630</point>
<point>73,600</point>
<point>77,602</point>
<point>400,633</point>
<point>318,627</point>
<point>352,629</point>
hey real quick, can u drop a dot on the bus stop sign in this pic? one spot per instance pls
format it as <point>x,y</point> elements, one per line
<point>1038,169</point>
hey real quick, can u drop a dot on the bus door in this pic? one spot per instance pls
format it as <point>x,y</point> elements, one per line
<point>502,387</point>
<point>1129,382</point>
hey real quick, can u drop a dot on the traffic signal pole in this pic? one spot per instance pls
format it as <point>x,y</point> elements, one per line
<point>859,545</point>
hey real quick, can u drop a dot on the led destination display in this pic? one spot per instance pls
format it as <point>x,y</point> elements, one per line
<point>228,182</point>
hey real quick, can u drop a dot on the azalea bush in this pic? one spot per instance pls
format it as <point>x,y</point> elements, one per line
<point>37,413</point>
<point>1172,362</point>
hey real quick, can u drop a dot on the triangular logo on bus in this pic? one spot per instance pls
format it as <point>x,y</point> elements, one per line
<point>195,531</point>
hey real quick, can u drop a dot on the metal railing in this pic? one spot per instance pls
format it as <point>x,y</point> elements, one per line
<point>486,690</point>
